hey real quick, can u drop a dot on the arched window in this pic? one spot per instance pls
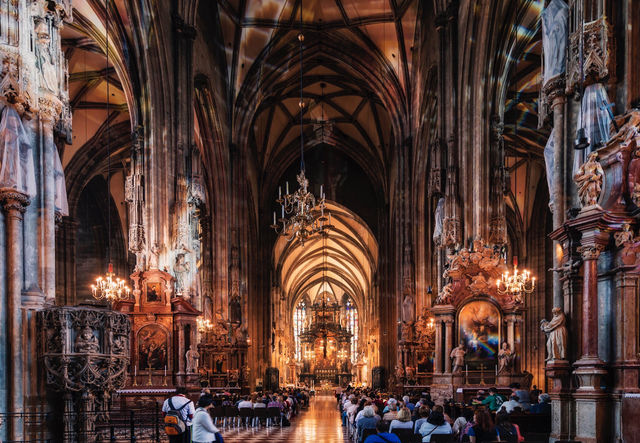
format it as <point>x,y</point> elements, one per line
<point>352,327</point>
<point>299,318</point>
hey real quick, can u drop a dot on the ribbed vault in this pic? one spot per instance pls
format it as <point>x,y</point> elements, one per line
<point>346,258</point>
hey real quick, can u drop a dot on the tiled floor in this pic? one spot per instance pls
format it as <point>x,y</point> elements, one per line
<point>321,423</point>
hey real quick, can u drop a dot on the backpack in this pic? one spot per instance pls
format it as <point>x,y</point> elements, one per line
<point>499,400</point>
<point>508,434</point>
<point>173,422</point>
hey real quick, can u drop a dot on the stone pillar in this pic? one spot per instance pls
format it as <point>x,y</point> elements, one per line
<point>591,402</point>
<point>554,91</point>
<point>438,359</point>
<point>449,343</point>
<point>14,204</point>
<point>50,108</point>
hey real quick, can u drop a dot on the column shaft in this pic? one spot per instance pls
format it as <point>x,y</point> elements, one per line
<point>14,204</point>
<point>449,345</point>
<point>439,357</point>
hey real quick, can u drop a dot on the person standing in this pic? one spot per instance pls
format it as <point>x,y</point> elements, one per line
<point>203,429</point>
<point>184,406</point>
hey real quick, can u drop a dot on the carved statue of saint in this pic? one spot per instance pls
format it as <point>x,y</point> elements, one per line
<point>589,180</point>
<point>406,331</point>
<point>181,270</point>
<point>505,359</point>
<point>86,342</point>
<point>554,38</point>
<point>457,354</point>
<point>192,359</point>
<point>556,331</point>
<point>438,219</point>
<point>408,309</point>
<point>16,160</point>
<point>44,59</point>
<point>235,309</point>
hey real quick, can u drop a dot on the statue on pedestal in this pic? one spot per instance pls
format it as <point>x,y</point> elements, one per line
<point>181,270</point>
<point>556,331</point>
<point>408,309</point>
<point>16,159</point>
<point>457,354</point>
<point>506,359</point>
<point>192,359</point>
<point>555,34</point>
<point>589,181</point>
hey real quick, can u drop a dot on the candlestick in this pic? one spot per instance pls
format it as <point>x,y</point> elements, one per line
<point>165,370</point>
<point>149,383</point>
<point>287,187</point>
<point>274,217</point>
<point>279,192</point>
<point>135,375</point>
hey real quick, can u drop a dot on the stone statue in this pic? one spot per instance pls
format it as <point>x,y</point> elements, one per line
<point>399,373</point>
<point>406,331</point>
<point>86,342</point>
<point>60,202</point>
<point>457,354</point>
<point>408,309</point>
<point>555,32</point>
<point>181,270</point>
<point>506,359</point>
<point>16,160</point>
<point>438,220</point>
<point>589,180</point>
<point>192,359</point>
<point>556,331</point>
<point>235,309</point>
<point>625,236</point>
<point>154,256</point>
<point>45,61</point>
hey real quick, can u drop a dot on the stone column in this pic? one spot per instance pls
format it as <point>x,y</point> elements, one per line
<point>14,204</point>
<point>50,108</point>
<point>438,360</point>
<point>449,343</point>
<point>554,90</point>
<point>626,364</point>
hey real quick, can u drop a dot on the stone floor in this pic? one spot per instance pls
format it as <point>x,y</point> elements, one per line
<point>321,423</point>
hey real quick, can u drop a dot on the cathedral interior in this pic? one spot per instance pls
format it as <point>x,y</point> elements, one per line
<point>245,195</point>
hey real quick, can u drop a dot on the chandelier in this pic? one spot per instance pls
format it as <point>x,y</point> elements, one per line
<point>343,354</point>
<point>305,213</point>
<point>516,285</point>
<point>204,325</point>
<point>109,287</point>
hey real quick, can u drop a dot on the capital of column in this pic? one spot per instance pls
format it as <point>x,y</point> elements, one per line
<point>554,90</point>
<point>14,201</point>
<point>591,252</point>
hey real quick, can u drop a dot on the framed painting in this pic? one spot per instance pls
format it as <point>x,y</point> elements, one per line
<point>154,292</point>
<point>153,347</point>
<point>479,331</point>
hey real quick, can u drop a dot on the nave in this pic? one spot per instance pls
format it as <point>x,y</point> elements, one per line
<point>320,423</point>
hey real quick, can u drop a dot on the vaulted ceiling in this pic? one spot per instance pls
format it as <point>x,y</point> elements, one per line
<point>356,76</point>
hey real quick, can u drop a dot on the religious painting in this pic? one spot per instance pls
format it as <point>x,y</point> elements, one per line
<point>424,360</point>
<point>154,292</point>
<point>479,331</point>
<point>153,345</point>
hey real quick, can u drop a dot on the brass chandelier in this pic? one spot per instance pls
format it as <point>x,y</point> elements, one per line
<point>302,216</point>
<point>516,285</point>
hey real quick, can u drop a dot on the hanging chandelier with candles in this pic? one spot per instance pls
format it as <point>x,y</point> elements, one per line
<point>109,287</point>
<point>302,215</point>
<point>516,285</point>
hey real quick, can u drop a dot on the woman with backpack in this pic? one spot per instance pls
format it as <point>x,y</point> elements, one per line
<point>507,431</point>
<point>483,431</point>
<point>203,430</point>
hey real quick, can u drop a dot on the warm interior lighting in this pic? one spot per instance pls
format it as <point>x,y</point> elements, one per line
<point>204,325</point>
<point>110,288</point>
<point>516,285</point>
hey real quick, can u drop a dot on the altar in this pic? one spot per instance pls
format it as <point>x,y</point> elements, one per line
<point>478,329</point>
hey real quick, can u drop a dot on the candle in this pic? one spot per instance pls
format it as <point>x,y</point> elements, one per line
<point>165,370</point>
<point>135,371</point>
<point>279,192</point>
<point>282,211</point>
<point>466,370</point>
<point>287,187</point>
<point>274,217</point>
<point>321,191</point>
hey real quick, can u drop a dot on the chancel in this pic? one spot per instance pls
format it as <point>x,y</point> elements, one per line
<point>320,220</point>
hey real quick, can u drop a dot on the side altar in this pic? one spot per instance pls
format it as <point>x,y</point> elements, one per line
<point>478,329</point>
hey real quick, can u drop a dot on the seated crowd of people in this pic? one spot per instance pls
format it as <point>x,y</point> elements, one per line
<point>226,409</point>
<point>375,417</point>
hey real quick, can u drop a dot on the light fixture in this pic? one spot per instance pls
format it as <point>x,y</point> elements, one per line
<point>204,325</point>
<point>516,285</point>
<point>306,213</point>
<point>343,354</point>
<point>109,287</point>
